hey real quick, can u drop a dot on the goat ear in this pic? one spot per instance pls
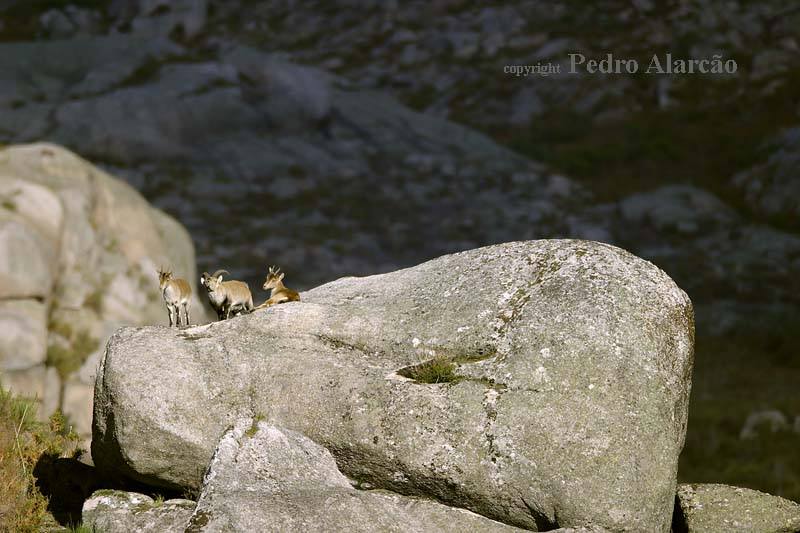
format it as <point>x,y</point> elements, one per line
<point>280,276</point>
<point>219,279</point>
<point>202,280</point>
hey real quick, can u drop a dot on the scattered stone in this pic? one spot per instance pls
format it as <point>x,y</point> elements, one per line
<point>713,508</point>
<point>114,511</point>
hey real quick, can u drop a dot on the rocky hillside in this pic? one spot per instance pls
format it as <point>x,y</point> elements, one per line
<point>79,251</point>
<point>355,137</point>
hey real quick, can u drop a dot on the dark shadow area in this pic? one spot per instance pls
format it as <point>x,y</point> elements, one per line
<point>68,483</point>
<point>678,519</point>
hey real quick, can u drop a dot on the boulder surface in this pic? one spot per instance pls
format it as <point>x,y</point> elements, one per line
<point>265,478</point>
<point>714,508</point>
<point>116,511</point>
<point>542,384</point>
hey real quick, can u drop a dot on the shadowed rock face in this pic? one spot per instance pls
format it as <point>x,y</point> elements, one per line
<point>565,401</point>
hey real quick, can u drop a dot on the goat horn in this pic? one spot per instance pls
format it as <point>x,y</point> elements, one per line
<point>218,272</point>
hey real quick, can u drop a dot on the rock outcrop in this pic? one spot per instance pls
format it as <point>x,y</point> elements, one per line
<point>264,478</point>
<point>78,254</point>
<point>713,508</point>
<point>542,384</point>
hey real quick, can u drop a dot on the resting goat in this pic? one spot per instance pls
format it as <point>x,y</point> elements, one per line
<point>279,292</point>
<point>177,293</point>
<point>227,297</point>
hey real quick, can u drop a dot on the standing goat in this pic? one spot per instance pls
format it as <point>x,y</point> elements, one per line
<point>279,292</point>
<point>177,293</point>
<point>226,296</point>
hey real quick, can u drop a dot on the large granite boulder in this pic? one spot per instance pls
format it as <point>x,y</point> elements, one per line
<point>542,384</point>
<point>78,254</point>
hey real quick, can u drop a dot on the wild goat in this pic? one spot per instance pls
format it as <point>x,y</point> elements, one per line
<point>177,293</point>
<point>279,292</point>
<point>227,296</point>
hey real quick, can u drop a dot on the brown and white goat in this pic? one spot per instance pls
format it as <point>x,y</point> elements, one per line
<point>279,292</point>
<point>227,297</point>
<point>177,294</point>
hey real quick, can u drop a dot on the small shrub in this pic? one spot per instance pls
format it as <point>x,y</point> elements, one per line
<point>439,369</point>
<point>23,443</point>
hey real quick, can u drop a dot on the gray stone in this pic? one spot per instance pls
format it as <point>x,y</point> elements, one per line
<point>464,44</point>
<point>772,188</point>
<point>712,508</point>
<point>678,208</point>
<point>571,366</point>
<point>56,24</point>
<point>39,383</point>
<point>114,511</point>
<point>23,342</point>
<point>526,105</point>
<point>265,478</point>
<point>26,260</point>
<point>186,18</point>
<point>77,405</point>
<point>292,97</point>
<point>77,67</point>
<point>37,205</point>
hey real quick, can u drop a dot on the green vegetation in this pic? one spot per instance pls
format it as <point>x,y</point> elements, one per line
<point>439,369</point>
<point>253,429</point>
<point>95,300</point>
<point>82,529</point>
<point>68,357</point>
<point>24,443</point>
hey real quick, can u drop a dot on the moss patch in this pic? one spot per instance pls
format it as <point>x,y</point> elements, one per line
<point>68,358</point>
<point>95,301</point>
<point>253,429</point>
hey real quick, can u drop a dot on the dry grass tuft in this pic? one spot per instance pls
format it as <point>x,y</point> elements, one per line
<point>23,443</point>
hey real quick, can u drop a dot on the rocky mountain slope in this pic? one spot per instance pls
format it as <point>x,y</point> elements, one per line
<point>355,137</point>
